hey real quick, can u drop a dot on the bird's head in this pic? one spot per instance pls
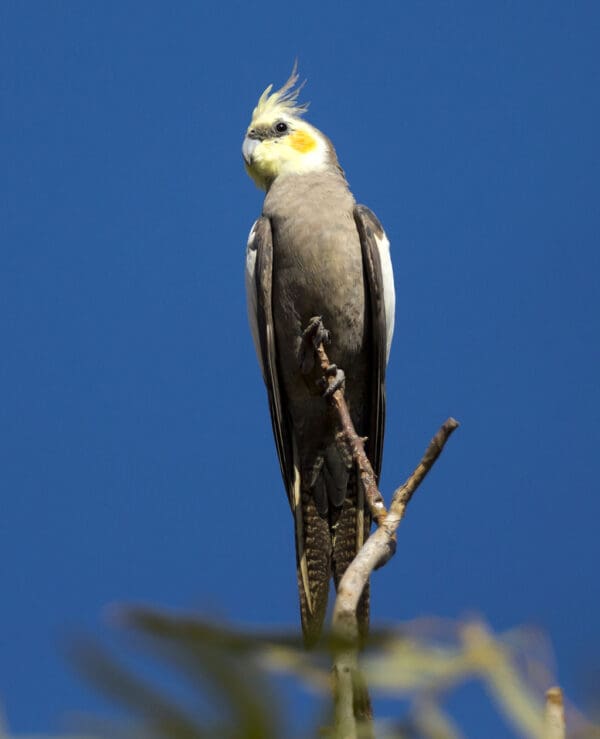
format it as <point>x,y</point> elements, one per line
<point>278,141</point>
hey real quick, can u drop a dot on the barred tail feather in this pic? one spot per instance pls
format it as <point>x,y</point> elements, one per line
<point>351,531</point>
<point>313,560</point>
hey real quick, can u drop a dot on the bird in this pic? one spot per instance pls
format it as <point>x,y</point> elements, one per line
<point>318,268</point>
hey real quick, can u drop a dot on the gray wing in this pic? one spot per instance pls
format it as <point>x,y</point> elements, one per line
<point>379,281</point>
<point>259,278</point>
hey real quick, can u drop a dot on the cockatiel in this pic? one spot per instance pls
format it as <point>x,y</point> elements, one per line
<point>315,252</point>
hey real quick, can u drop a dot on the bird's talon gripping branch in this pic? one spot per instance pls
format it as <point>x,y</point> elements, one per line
<point>316,333</point>
<point>313,336</point>
<point>338,382</point>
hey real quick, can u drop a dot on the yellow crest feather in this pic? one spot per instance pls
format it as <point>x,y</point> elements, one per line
<point>283,101</point>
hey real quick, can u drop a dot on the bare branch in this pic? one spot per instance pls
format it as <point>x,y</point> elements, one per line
<point>404,493</point>
<point>378,544</point>
<point>355,444</point>
<point>554,715</point>
<point>352,703</point>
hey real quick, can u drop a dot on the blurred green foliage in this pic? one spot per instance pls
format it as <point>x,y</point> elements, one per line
<point>222,682</point>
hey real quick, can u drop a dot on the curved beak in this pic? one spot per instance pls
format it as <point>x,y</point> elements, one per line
<point>248,148</point>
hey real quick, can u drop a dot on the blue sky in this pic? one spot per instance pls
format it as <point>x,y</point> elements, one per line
<point>137,462</point>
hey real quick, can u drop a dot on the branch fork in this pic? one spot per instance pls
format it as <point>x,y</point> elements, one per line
<point>351,696</point>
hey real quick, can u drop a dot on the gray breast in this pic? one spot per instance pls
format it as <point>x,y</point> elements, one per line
<point>317,260</point>
<point>317,270</point>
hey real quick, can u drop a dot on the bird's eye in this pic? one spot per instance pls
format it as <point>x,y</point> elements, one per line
<point>281,127</point>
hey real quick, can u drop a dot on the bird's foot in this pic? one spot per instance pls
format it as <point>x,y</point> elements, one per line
<point>327,385</point>
<point>316,333</point>
<point>313,336</point>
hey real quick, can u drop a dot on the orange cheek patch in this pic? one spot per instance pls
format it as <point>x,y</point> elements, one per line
<point>302,141</point>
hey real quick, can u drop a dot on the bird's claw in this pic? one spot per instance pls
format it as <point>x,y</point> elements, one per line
<point>313,336</point>
<point>315,332</point>
<point>329,388</point>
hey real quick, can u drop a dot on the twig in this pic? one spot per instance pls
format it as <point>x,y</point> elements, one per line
<point>554,715</point>
<point>356,445</point>
<point>347,679</point>
<point>352,704</point>
<point>374,549</point>
<point>404,493</point>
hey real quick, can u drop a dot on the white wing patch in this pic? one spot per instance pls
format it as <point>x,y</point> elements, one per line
<point>251,291</point>
<point>389,293</point>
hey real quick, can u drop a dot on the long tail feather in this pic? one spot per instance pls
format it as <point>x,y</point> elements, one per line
<point>350,532</point>
<point>313,559</point>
